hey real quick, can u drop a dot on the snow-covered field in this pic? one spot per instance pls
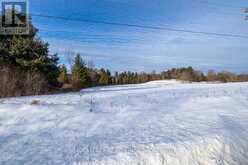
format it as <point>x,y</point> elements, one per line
<point>157,123</point>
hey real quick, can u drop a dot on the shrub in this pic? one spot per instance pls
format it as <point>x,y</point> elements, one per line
<point>16,82</point>
<point>35,102</point>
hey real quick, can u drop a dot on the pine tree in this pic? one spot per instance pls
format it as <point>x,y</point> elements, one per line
<point>109,77</point>
<point>104,78</point>
<point>80,76</point>
<point>29,52</point>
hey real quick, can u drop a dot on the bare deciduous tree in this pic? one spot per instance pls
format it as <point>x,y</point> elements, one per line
<point>90,64</point>
<point>69,57</point>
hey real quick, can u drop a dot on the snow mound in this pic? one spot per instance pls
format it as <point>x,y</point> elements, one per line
<point>156,123</point>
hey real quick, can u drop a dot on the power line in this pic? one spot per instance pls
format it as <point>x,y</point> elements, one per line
<point>141,26</point>
<point>93,39</point>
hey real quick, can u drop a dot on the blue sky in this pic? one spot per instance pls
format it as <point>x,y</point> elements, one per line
<point>125,48</point>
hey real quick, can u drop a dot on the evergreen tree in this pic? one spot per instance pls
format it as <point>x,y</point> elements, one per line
<point>26,64</point>
<point>104,78</point>
<point>28,52</point>
<point>109,77</point>
<point>80,76</point>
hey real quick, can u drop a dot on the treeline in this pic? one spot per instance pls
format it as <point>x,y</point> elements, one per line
<point>27,68</point>
<point>189,74</point>
<point>83,76</point>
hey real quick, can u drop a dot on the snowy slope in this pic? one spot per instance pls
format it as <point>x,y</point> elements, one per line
<point>157,123</point>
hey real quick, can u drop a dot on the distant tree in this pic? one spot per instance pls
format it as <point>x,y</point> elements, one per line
<point>94,76</point>
<point>63,76</point>
<point>143,77</point>
<point>185,74</point>
<point>104,77</point>
<point>109,77</point>
<point>80,77</point>
<point>226,77</point>
<point>242,77</point>
<point>212,76</point>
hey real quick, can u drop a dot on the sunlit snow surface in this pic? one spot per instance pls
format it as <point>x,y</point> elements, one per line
<point>157,123</point>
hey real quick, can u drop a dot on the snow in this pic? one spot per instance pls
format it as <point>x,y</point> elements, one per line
<point>156,123</point>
